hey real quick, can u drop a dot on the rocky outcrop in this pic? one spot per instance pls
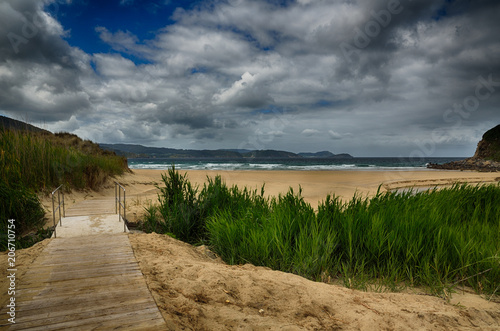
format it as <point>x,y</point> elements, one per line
<point>486,158</point>
<point>471,163</point>
<point>489,147</point>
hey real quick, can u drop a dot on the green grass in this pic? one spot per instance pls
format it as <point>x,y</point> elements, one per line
<point>32,163</point>
<point>43,162</point>
<point>183,211</point>
<point>439,239</point>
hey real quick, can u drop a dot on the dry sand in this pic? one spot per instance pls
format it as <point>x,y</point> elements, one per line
<point>140,185</point>
<point>197,291</point>
<point>315,184</point>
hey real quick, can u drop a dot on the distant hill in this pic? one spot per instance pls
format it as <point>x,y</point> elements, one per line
<point>9,123</point>
<point>269,153</point>
<point>140,151</point>
<point>136,151</point>
<point>326,154</point>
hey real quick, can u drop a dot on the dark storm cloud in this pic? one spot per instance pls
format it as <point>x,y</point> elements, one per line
<point>40,71</point>
<point>186,116</point>
<point>349,72</point>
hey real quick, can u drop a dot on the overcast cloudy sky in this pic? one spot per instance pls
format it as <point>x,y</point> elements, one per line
<point>371,78</point>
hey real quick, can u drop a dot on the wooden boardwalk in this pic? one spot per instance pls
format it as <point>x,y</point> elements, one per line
<point>92,207</point>
<point>90,217</point>
<point>85,283</point>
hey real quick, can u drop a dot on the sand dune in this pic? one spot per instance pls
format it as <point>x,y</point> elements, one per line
<point>196,291</point>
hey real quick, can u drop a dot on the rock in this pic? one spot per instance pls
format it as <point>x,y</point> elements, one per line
<point>489,147</point>
<point>486,158</point>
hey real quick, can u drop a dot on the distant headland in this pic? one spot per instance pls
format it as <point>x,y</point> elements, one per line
<point>139,151</point>
<point>486,158</point>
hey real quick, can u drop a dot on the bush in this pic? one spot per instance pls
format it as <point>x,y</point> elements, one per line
<point>21,205</point>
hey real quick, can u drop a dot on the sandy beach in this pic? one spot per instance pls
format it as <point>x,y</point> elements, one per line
<point>316,185</point>
<point>196,290</point>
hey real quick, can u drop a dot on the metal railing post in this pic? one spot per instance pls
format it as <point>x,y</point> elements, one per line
<point>116,198</point>
<point>124,212</point>
<point>59,206</point>
<point>54,209</point>
<point>119,205</point>
<point>64,209</point>
<point>53,216</point>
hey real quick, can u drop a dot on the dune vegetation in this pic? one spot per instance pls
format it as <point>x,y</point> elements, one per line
<point>439,239</point>
<point>34,162</point>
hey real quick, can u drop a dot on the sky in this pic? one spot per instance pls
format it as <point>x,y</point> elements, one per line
<point>370,78</point>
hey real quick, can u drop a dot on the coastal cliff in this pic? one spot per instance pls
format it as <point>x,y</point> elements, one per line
<point>486,158</point>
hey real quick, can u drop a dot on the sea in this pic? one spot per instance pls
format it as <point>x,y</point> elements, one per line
<point>303,164</point>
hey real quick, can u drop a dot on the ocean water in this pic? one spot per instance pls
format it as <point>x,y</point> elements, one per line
<point>304,164</point>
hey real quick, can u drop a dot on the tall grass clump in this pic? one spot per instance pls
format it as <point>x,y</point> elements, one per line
<point>42,161</point>
<point>439,239</point>
<point>283,234</point>
<point>32,163</point>
<point>178,206</point>
<point>183,210</point>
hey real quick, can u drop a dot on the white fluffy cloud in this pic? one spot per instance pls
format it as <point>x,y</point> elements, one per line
<point>245,92</point>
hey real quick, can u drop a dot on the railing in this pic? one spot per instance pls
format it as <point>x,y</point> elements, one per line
<point>119,206</point>
<point>54,209</point>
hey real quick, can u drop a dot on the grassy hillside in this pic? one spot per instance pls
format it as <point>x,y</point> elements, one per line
<point>34,162</point>
<point>44,161</point>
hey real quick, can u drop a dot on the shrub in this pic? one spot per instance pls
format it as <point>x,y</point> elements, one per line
<point>22,205</point>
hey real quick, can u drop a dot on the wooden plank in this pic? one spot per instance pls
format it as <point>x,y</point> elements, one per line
<point>63,303</point>
<point>59,259</point>
<point>80,267</point>
<point>83,274</point>
<point>57,256</point>
<point>69,245</point>
<point>118,321</point>
<point>54,317</point>
<point>129,269</point>
<point>59,262</point>
<point>74,265</point>
<point>59,304</point>
<point>70,286</point>
<point>92,207</point>
<point>82,253</point>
